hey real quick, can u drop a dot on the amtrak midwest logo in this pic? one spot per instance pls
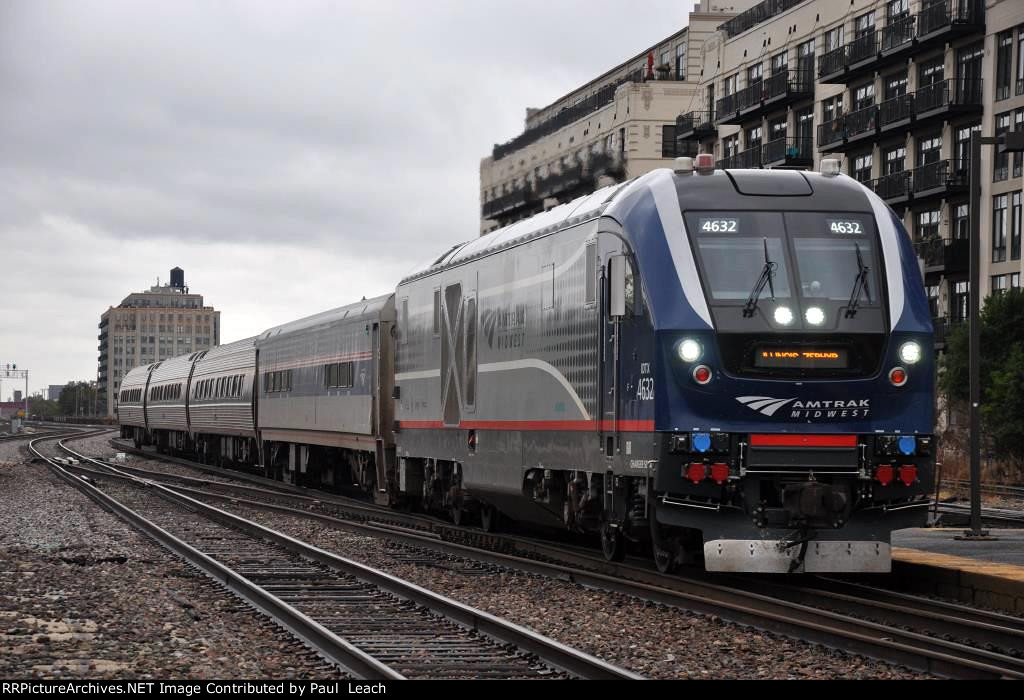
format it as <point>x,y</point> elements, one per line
<point>507,324</point>
<point>838,408</point>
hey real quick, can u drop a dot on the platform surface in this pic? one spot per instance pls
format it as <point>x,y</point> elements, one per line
<point>1007,549</point>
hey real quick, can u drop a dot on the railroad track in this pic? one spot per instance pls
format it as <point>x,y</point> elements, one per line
<point>371,624</point>
<point>995,489</point>
<point>943,638</point>
<point>1001,517</point>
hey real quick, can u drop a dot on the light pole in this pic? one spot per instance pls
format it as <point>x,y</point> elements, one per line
<point>1010,142</point>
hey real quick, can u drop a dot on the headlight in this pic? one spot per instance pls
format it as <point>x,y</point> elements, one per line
<point>690,350</point>
<point>815,316</point>
<point>783,316</point>
<point>910,353</point>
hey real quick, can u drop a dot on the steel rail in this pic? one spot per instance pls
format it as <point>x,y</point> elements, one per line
<point>551,652</point>
<point>329,645</point>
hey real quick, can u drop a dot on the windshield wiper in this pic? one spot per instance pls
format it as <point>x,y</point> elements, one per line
<point>766,278</point>
<point>859,284</point>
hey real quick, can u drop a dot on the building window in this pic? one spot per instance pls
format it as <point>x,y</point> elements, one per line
<point>865,24</point>
<point>1004,64</point>
<point>730,145</point>
<point>930,72</point>
<point>780,63</point>
<point>777,129</point>
<point>864,96</point>
<point>897,9</point>
<point>753,139</point>
<point>1018,125</point>
<point>1020,60</point>
<point>831,108</point>
<point>668,141</point>
<point>927,225</point>
<point>1015,280</point>
<point>1001,161</point>
<point>729,84</point>
<point>961,222</point>
<point>933,299</point>
<point>959,307</point>
<point>929,149</point>
<point>999,228</point>
<point>755,73</point>
<point>895,160</point>
<point>963,147</point>
<point>1015,225</point>
<point>999,284</point>
<point>833,39</point>
<point>896,85</point>
<point>681,62</point>
<point>862,167</point>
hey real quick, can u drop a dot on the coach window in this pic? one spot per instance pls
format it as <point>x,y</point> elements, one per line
<point>471,359</point>
<point>591,274</point>
<point>404,330</point>
<point>437,312</point>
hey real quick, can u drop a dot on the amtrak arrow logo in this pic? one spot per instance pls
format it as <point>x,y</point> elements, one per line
<point>764,404</point>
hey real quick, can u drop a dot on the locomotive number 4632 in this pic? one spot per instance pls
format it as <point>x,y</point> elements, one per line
<point>838,226</point>
<point>719,225</point>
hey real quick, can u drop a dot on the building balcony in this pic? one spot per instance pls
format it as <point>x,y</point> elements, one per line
<point>558,183</point>
<point>599,164</point>
<point>947,20</point>
<point>859,57</point>
<point>944,256</point>
<point>939,179</point>
<point>898,37</point>
<point>695,126</point>
<point>767,95</point>
<point>788,152</point>
<point>895,114</point>
<point>509,203</point>
<point>894,188</point>
<point>845,132</point>
<point>944,327</point>
<point>947,98</point>
<point>750,158</point>
<point>755,15</point>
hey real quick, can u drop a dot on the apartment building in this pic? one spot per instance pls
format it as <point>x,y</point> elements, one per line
<point>617,126</point>
<point>894,88</point>
<point>150,326</point>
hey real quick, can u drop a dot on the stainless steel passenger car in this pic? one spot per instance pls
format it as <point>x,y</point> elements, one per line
<point>222,406</point>
<point>131,403</point>
<point>167,402</point>
<point>325,408</point>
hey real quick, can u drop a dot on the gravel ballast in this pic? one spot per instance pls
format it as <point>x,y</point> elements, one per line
<point>83,595</point>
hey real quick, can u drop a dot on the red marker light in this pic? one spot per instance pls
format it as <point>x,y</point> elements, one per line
<point>898,376</point>
<point>719,472</point>
<point>696,472</point>
<point>908,474</point>
<point>883,474</point>
<point>702,374</point>
<point>705,162</point>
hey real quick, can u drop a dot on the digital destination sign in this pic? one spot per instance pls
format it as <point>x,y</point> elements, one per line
<point>801,358</point>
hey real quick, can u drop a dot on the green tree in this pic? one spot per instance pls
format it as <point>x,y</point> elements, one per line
<point>41,408</point>
<point>77,398</point>
<point>1001,371</point>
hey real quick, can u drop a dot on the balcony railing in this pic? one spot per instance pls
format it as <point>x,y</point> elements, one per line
<point>892,186</point>
<point>832,62</point>
<point>832,131</point>
<point>939,175</point>
<point>692,124</point>
<point>556,183</point>
<point>508,202</point>
<point>947,13</point>
<point>756,14</point>
<point>945,93</point>
<point>787,150</point>
<point>787,82</point>
<point>895,110</point>
<point>863,47</point>
<point>862,121</point>
<point>952,255</point>
<point>750,158</point>
<point>898,33</point>
<point>727,105</point>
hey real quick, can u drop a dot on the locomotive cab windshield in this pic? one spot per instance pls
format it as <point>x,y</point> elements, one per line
<point>793,294</point>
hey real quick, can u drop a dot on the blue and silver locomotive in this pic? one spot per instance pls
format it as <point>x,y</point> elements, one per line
<point>731,367</point>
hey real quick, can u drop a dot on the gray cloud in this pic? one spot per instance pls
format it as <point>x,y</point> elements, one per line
<point>343,136</point>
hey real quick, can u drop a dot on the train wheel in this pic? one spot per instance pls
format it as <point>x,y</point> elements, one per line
<point>612,545</point>
<point>490,518</point>
<point>667,549</point>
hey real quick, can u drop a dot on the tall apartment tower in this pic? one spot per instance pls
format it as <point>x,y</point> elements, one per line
<point>150,326</point>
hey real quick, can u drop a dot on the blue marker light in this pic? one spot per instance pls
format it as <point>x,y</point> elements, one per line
<point>908,444</point>
<point>701,442</point>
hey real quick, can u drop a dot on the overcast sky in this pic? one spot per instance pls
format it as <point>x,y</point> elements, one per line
<point>290,156</point>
